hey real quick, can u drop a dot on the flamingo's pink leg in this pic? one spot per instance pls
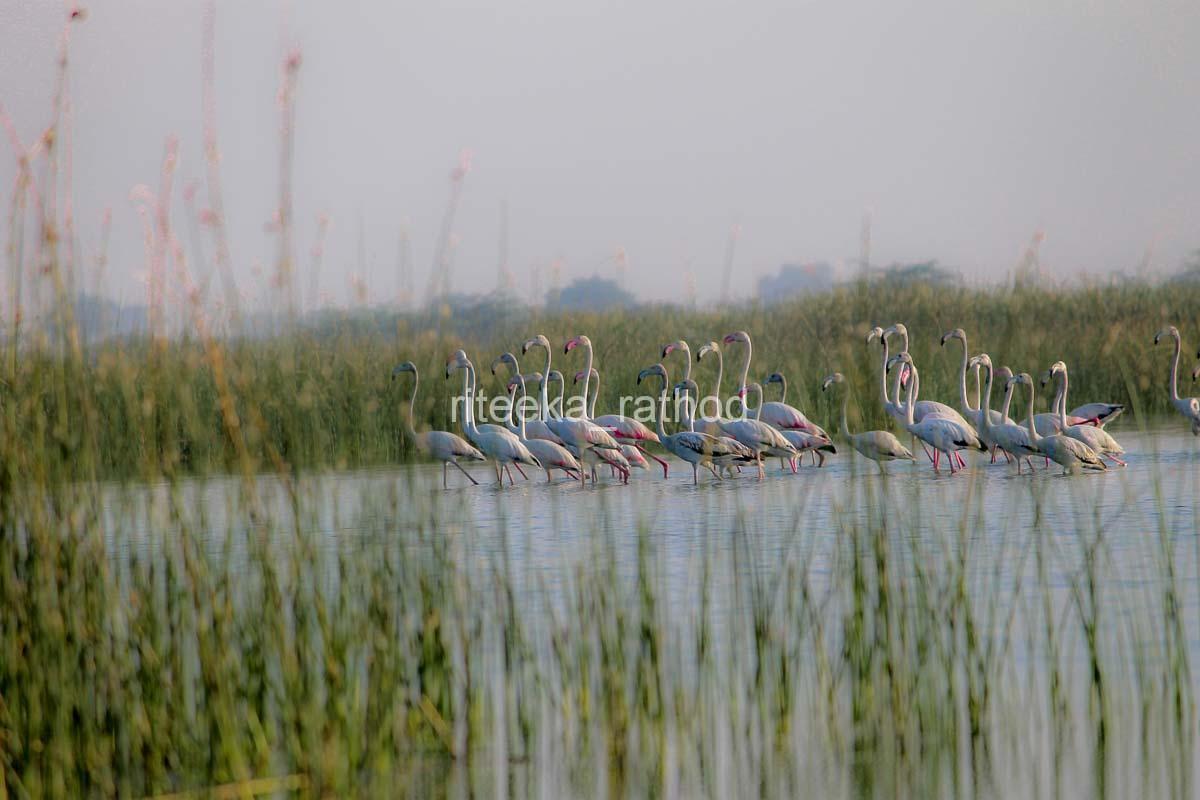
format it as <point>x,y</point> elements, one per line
<point>463,471</point>
<point>518,466</point>
<point>656,458</point>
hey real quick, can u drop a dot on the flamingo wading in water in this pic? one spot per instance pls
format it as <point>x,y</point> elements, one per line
<point>442,445</point>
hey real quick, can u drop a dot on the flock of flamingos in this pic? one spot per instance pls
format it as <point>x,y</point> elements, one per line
<point>577,445</point>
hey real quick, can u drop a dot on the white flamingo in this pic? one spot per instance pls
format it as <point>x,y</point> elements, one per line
<point>1009,436</point>
<point>441,445</point>
<point>1094,437</point>
<point>497,443</point>
<point>878,446</point>
<point>698,449</point>
<point>1071,454</point>
<point>1188,406</point>
<point>944,434</point>
<point>924,407</point>
<point>549,454</point>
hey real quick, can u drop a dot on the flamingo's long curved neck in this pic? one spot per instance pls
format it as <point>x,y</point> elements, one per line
<point>687,363</point>
<point>913,391</point>
<point>883,387</point>
<point>716,395</point>
<point>512,408</point>
<point>985,422</point>
<point>962,380</point>
<point>545,389</point>
<point>468,422</point>
<point>745,374</point>
<point>1033,434</point>
<point>783,391</point>
<point>521,415</point>
<point>757,389</point>
<point>591,409</point>
<point>662,410</point>
<point>1060,400</point>
<point>587,376</point>
<point>1175,368</point>
<point>845,421</point>
<point>409,427</point>
<point>687,406</point>
<point>1008,393</point>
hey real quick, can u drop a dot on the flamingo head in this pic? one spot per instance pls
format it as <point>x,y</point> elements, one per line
<point>836,377</point>
<point>457,360</point>
<point>1003,373</point>
<point>673,346</point>
<point>957,333</point>
<point>554,376</point>
<point>875,333</point>
<point>1170,330</point>
<point>537,341</point>
<point>579,375</point>
<point>1013,380</point>
<point>774,377</point>
<point>576,341</point>
<point>505,358</point>
<point>981,360</point>
<point>407,366</point>
<point>711,347</point>
<point>898,329</point>
<point>736,336</point>
<point>687,385</point>
<point>653,369</point>
<point>899,358</point>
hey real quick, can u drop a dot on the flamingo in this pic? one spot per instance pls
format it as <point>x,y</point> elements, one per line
<point>1009,436</point>
<point>442,445</point>
<point>698,449</point>
<point>1188,406</point>
<point>550,455</point>
<point>924,407</point>
<point>816,443</point>
<point>878,446</point>
<point>973,415</point>
<point>738,452</point>
<point>535,428</point>
<point>1071,454</point>
<point>944,434</point>
<point>624,429</point>
<point>1096,438</point>
<point>783,416</point>
<point>594,456</point>
<point>575,432</point>
<point>897,408</point>
<point>497,443</point>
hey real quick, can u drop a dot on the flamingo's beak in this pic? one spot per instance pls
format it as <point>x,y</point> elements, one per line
<point>904,376</point>
<point>667,350</point>
<point>570,346</point>
<point>729,339</point>
<point>578,375</point>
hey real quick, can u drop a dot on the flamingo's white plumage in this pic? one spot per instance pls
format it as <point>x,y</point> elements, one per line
<point>698,449</point>
<point>878,446</point>
<point>944,434</point>
<point>1071,454</point>
<point>1189,407</point>
<point>441,445</point>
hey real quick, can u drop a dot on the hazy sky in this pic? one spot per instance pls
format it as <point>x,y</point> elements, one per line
<point>961,127</point>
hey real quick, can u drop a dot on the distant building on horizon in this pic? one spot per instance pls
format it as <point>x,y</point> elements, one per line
<point>796,279</point>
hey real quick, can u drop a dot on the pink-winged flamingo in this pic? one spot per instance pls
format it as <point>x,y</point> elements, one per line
<point>816,443</point>
<point>632,434</point>
<point>593,456</point>
<point>1094,437</point>
<point>535,428</point>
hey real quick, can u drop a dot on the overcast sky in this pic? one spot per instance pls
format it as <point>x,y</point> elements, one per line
<point>962,128</point>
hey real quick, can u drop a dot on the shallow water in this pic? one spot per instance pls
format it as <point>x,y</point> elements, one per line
<point>549,537</point>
